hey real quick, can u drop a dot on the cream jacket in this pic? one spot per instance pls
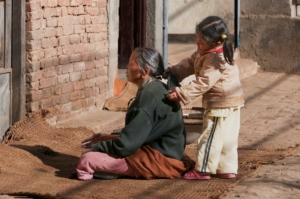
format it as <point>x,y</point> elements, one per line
<point>216,80</point>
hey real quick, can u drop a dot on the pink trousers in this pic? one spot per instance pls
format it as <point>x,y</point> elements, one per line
<point>91,162</point>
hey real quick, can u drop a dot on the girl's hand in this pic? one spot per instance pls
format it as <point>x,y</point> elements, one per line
<point>173,95</point>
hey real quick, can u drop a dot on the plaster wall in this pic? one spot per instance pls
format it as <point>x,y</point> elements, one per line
<point>270,36</point>
<point>185,15</point>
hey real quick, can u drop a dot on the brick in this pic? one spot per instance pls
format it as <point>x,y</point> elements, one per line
<point>50,12</point>
<point>64,59</point>
<point>64,78</point>
<point>46,103</point>
<point>35,55</point>
<point>83,75</point>
<point>95,28</point>
<point>70,10</point>
<point>50,72</point>
<point>34,76</point>
<point>68,30</point>
<point>32,86</point>
<point>51,22</point>
<point>102,11</point>
<point>66,107</point>
<point>90,65</point>
<point>64,21</point>
<point>59,51</point>
<point>86,19</point>
<point>104,53</point>
<point>48,92</point>
<point>67,87</point>
<point>90,74</point>
<point>102,3</point>
<point>32,66</point>
<point>68,50</point>
<point>74,39</point>
<point>63,41</point>
<point>106,61</point>
<point>100,63</point>
<point>54,41</point>
<point>33,45</point>
<point>50,32</point>
<point>79,66</point>
<point>67,68</point>
<point>52,3</point>
<point>96,91</point>
<point>80,94</point>
<point>63,2</point>
<point>34,96</point>
<point>94,11</point>
<point>33,106</point>
<point>79,48</point>
<point>31,6</point>
<point>35,35</point>
<point>75,2</point>
<point>89,47</point>
<point>83,38</point>
<point>100,99</point>
<point>46,43</point>
<point>79,29</point>
<point>64,11</point>
<point>45,82</point>
<point>76,10</point>
<point>78,85</point>
<point>75,76</point>
<point>46,63</point>
<point>103,88</point>
<point>34,25</point>
<point>89,2</point>
<point>89,92</point>
<point>43,3</point>
<point>56,100</point>
<point>36,14</point>
<point>58,12</point>
<point>91,101</point>
<point>96,20</point>
<point>59,31</point>
<point>75,58</point>
<point>55,61</point>
<point>76,105</point>
<point>65,98</point>
<point>58,89</point>
<point>50,52</point>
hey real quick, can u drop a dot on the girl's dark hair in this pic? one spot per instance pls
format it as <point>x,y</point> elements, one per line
<point>151,58</point>
<point>213,29</point>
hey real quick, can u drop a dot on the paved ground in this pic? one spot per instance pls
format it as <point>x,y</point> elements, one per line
<point>270,119</point>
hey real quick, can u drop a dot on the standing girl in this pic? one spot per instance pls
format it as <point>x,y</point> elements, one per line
<point>217,79</point>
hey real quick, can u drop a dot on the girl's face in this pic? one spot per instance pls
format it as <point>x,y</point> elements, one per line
<point>202,44</point>
<point>133,73</point>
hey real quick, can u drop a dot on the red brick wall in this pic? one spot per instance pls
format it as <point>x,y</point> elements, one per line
<point>67,56</point>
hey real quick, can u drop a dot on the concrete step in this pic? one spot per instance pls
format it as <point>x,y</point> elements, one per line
<point>247,67</point>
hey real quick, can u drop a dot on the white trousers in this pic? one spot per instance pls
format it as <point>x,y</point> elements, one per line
<point>218,143</point>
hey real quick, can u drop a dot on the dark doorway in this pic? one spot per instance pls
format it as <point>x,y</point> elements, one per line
<point>132,29</point>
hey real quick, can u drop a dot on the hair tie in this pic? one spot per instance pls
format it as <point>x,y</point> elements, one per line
<point>224,37</point>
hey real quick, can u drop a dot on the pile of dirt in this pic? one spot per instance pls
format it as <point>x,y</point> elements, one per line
<point>37,160</point>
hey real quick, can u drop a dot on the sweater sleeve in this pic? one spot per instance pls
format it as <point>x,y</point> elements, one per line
<point>132,137</point>
<point>184,68</point>
<point>209,75</point>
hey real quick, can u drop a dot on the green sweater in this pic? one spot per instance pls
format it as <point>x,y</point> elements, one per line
<point>151,120</point>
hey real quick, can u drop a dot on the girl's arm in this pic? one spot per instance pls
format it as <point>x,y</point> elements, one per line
<point>209,75</point>
<point>184,68</point>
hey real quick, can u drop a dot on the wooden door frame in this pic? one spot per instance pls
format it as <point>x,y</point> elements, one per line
<point>18,61</point>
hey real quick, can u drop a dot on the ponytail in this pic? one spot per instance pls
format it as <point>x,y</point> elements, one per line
<point>228,50</point>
